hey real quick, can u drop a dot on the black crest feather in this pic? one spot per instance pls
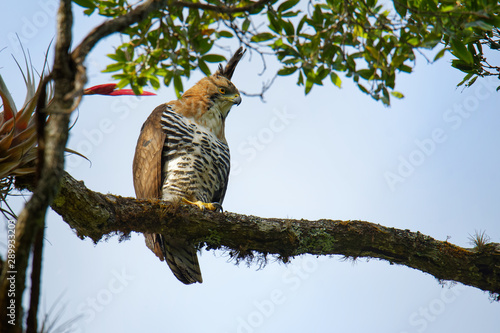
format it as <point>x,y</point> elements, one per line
<point>231,64</point>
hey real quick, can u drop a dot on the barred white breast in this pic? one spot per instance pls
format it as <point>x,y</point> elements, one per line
<point>195,162</point>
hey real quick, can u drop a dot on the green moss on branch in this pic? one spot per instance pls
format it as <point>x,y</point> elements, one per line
<point>96,215</point>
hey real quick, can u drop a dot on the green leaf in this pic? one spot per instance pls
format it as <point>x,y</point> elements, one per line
<point>119,55</point>
<point>480,24</point>
<point>363,89</point>
<point>274,25</point>
<point>287,5</point>
<point>168,78</point>
<point>137,89</point>
<point>466,77</point>
<point>245,25</point>
<point>373,52</point>
<point>405,68</point>
<point>213,58</point>
<point>203,67</point>
<point>89,11</point>
<point>309,85</point>
<point>471,81</point>
<point>414,41</point>
<point>225,33</point>
<point>179,88</point>
<point>204,45</point>
<point>390,80</point>
<point>441,53</point>
<point>385,100</point>
<point>447,8</point>
<point>317,16</point>
<point>300,81</point>
<point>288,26</point>
<point>321,73</point>
<point>291,13</point>
<point>155,83</point>
<point>115,57</point>
<point>114,67</point>
<point>142,81</point>
<point>401,7</point>
<point>366,74</point>
<point>460,51</point>
<point>397,94</point>
<point>85,3</point>
<point>262,37</point>
<point>336,79</point>
<point>301,23</point>
<point>461,65</point>
<point>287,71</point>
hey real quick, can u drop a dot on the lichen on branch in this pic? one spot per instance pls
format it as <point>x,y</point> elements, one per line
<point>95,215</point>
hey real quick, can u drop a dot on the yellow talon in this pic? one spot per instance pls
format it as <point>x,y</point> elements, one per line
<point>201,205</point>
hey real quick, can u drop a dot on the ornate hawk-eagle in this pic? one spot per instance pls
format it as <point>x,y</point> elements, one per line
<point>182,155</point>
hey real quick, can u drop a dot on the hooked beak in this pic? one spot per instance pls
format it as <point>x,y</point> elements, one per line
<point>236,98</point>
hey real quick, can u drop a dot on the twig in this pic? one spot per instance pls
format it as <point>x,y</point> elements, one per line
<point>265,88</point>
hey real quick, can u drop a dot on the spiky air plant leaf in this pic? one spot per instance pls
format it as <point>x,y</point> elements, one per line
<point>17,135</point>
<point>480,239</point>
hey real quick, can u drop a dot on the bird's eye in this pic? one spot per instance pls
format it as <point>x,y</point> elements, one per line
<point>222,90</point>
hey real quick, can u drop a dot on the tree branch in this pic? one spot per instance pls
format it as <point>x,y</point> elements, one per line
<point>36,276</point>
<point>115,25</point>
<point>53,136</point>
<point>97,215</point>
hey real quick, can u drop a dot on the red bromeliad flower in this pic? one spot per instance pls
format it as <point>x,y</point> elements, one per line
<point>109,89</point>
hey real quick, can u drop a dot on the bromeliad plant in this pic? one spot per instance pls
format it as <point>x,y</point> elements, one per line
<point>18,136</point>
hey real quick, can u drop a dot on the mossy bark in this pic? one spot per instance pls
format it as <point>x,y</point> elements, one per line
<point>96,215</point>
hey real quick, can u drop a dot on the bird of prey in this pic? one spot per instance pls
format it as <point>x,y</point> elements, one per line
<point>182,156</point>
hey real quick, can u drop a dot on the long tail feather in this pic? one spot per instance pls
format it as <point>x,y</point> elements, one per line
<point>180,257</point>
<point>183,261</point>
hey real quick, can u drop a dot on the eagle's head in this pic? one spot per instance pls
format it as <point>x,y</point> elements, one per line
<point>209,101</point>
<point>215,93</point>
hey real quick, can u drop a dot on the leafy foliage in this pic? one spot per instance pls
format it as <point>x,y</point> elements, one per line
<point>365,40</point>
<point>468,29</point>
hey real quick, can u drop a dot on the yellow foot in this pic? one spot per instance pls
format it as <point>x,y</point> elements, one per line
<point>203,205</point>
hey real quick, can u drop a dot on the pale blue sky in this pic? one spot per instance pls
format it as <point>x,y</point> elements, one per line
<point>325,155</point>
